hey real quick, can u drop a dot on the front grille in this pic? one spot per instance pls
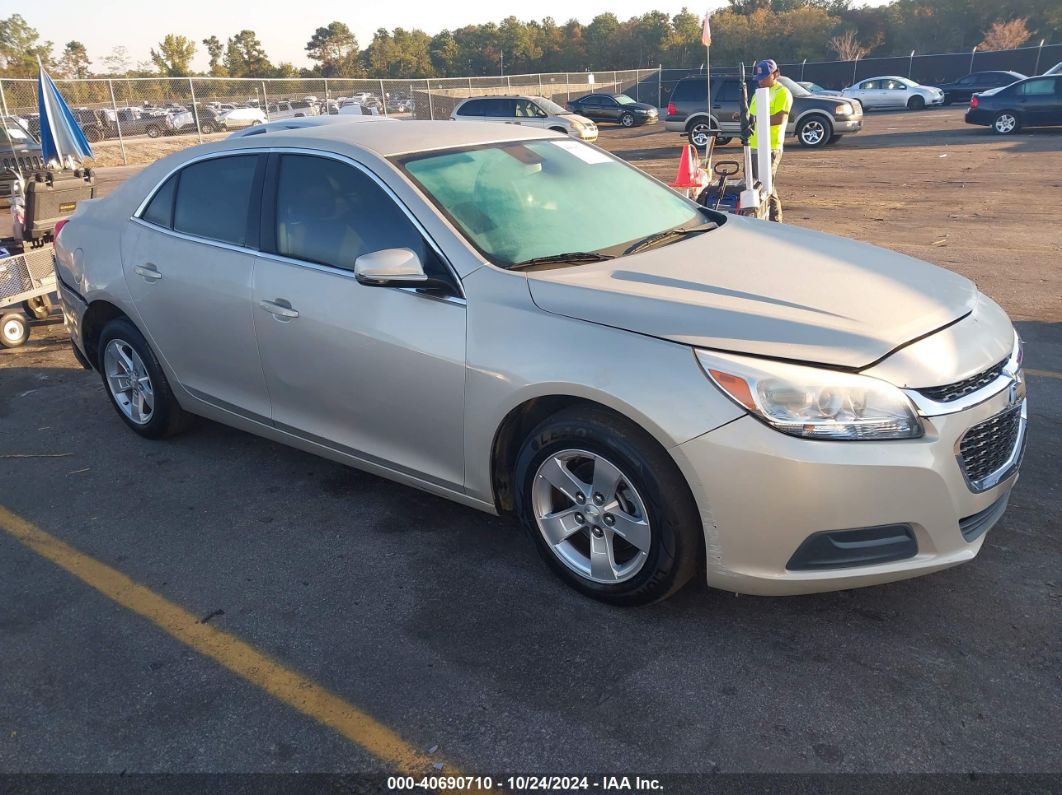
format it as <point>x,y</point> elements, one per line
<point>960,389</point>
<point>988,446</point>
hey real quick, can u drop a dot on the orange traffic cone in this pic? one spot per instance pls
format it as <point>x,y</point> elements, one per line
<point>689,174</point>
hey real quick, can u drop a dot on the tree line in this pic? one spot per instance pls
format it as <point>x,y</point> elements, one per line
<point>787,30</point>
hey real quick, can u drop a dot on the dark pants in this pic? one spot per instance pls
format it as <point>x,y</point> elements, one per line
<point>774,204</point>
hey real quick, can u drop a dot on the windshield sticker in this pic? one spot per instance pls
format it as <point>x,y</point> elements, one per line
<point>585,153</point>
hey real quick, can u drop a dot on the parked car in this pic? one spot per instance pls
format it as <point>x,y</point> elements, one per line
<point>893,92</point>
<point>210,121</point>
<point>305,121</point>
<point>96,124</point>
<point>965,87</point>
<point>816,121</point>
<point>20,156</point>
<point>529,325</point>
<point>528,111</point>
<point>291,110</point>
<point>243,117</point>
<point>1033,102</point>
<point>618,108</point>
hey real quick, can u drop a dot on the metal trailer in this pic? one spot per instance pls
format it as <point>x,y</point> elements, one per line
<point>26,280</point>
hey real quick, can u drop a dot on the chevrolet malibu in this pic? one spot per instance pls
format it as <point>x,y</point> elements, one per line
<point>524,324</point>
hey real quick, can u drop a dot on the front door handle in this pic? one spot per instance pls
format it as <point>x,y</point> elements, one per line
<point>148,271</point>
<point>280,309</point>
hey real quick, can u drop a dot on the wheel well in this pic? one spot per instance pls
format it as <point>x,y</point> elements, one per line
<point>561,130</point>
<point>97,316</point>
<point>820,114</point>
<point>712,123</point>
<point>515,428</point>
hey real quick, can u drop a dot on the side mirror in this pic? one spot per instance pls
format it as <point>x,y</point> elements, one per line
<point>393,267</point>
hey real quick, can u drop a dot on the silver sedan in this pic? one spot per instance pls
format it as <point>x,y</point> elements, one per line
<point>876,93</point>
<point>527,325</point>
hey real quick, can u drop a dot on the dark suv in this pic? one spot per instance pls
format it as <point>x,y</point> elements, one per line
<point>976,82</point>
<point>816,119</point>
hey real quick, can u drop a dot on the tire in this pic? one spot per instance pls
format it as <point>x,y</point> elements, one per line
<point>947,101</point>
<point>14,330</point>
<point>207,129</point>
<point>38,308</point>
<point>256,122</point>
<point>560,130</point>
<point>916,103</point>
<point>627,119</point>
<point>696,132</point>
<point>94,135</point>
<point>723,140</point>
<point>814,131</point>
<point>1006,123</point>
<point>650,500</point>
<point>121,344</point>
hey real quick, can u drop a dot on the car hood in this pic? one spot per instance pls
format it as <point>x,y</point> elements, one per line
<point>640,106</point>
<point>764,289</point>
<point>576,117</point>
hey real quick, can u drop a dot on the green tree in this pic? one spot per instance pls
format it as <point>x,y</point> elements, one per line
<point>445,54</point>
<point>216,51</point>
<point>174,56</point>
<point>335,49</point>
<point>20,46</point>
<point>75,61</point>
<point>600,36</point>
<point>245,57</point>
<point>117,63</point>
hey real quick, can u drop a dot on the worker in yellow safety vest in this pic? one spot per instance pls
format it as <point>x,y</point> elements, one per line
<point>766,75</point>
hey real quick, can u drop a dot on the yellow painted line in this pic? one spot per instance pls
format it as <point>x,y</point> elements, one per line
<point>241,658</point>
<point>1044,373</point>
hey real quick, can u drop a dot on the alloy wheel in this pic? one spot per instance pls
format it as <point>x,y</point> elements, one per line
<point>129,382</point>
<point>1005,123</point>
<point>813,132</point>
<point>591,516</point>
<point>699,135</point>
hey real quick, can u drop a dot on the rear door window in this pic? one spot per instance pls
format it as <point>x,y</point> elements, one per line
<point>690,91</point>
<point>501,108</point>
<point>474,107</point>
<point>160,211</point>
<point>1042,87</point>
<point>214,199</point>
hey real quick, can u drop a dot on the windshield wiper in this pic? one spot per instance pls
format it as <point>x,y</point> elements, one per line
<point>667,234</point>
<point>570,256</point>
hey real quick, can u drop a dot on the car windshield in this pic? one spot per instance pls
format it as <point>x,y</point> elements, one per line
<point>795,88</point>
<point>623,99</point>
<point>523,200</point>
<point>551,107</point>
<point>13,131</point>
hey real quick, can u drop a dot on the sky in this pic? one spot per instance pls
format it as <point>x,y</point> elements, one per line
<point>284,28</point>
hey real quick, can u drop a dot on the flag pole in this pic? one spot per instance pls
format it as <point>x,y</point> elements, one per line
<point>706,40</point>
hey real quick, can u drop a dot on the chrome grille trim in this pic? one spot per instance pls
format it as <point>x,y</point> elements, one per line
<point>990,451</point>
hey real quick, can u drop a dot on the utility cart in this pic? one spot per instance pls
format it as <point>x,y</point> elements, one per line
<point>26,280</point>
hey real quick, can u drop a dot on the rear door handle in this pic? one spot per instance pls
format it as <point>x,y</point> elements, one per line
<point>280,309</point>
<point>148,271</point>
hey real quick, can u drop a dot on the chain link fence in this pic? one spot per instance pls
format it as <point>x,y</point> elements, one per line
<point>180,111</point>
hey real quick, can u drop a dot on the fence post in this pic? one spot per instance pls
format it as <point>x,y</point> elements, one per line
<point>659,85</point>
<point>541,88</point>
<point>973,52</point>
<point>1036,70</point>
<point>637,85</point>
<point>855,65</point>
<point>195,110</point>
<point>470,86</point>
<point>265,101</point>
<point>328,99</point>
<point>383,97</point>
<point>802,69</point>
<point>3,100</point>
<point>615,81</point>
<point>508,82</point>
<point>431,105</point>
<point>118,123</point>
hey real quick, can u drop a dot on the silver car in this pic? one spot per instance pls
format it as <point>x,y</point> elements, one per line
<point>527,111</point>
<point>527,325</point>
<point>876,93</point>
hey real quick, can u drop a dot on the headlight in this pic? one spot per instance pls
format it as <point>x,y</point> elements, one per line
<point>843,109</point>
<point>814,403</point>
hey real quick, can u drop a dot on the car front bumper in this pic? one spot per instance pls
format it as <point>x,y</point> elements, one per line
<point>762,494</point>
<point>847,126</point>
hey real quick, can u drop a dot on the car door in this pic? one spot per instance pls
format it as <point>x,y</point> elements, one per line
<point>374,372</point>
<point>867,93</point>
<point>608,109</point>
<point>188,268</point>
<point>1038,101</point>
<point>590,107</point>
<point>893,94</point>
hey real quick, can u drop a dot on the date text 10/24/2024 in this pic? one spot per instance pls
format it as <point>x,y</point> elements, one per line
<point>525,783</point>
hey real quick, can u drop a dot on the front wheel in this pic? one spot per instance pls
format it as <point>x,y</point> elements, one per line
<point>14,330</point>
<point>608,509</point>
<point>134,380</point>
<point>627,119</point>
<point>154,132</point>
<point>207,128</point>
<point>814,131</point>
<point>1006,123</point>
<point>916,103</point>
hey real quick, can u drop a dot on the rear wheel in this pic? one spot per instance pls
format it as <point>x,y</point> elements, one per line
<point>14,330</point>
<point>627,119</point>
<point>607,508</point>
<point>135,382</point>
<point>207,128</point>
<point>916,103</point>
<point>698,134</point>
<point>723,140</point>
<point>154,132</point>
<point>1006,123</point>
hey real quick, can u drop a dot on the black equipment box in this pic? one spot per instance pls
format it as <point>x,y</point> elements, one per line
<point>55,198</point>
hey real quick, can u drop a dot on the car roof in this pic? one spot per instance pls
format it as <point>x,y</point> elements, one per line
<point>401,137</point>
<point>504,96</point>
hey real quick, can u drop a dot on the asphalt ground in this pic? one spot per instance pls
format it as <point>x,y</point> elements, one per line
<point>220,603</point>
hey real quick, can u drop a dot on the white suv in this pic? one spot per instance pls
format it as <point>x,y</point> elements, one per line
<point>526,111</point>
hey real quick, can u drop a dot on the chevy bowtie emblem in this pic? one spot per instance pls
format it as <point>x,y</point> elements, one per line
<point>1017,389</point>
